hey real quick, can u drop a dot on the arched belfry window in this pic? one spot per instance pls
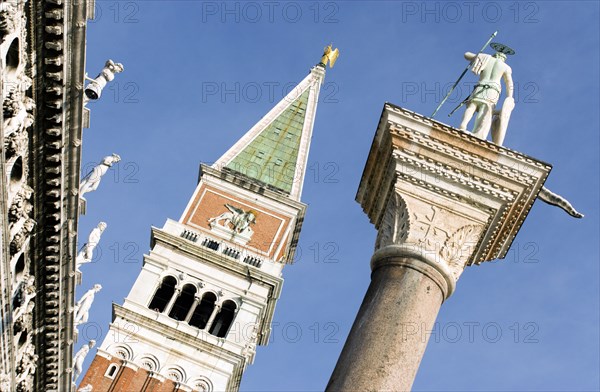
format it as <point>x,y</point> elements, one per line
<point>183,303</point>
<point>163,294</point>
<point>224,319</point>
<point>203,310</point>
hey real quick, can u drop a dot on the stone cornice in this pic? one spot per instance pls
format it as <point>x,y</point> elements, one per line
<point>59,54</point>
<point>459,198</point>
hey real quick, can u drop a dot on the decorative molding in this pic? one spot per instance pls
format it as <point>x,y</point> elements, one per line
<point>459,199</point>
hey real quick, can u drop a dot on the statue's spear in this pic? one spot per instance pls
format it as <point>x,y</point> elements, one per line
<point>463,74</point>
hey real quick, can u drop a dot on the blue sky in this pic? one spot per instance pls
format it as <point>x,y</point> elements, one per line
<point>528,322</point>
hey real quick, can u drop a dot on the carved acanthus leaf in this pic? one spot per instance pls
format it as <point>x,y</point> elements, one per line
<point>459,247</point>
<point>395,223</point>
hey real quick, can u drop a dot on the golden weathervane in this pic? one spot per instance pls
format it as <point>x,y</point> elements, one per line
<point>330,55</point>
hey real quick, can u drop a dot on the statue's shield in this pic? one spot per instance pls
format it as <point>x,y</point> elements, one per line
<point>500,122</point>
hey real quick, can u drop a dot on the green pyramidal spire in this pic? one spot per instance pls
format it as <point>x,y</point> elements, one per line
<point>274,152</point>
<point>271,157</point>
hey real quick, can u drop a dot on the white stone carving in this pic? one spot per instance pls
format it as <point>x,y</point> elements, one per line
<point>17,144</point>
<point>24,319</point>
<point>92,180</point>
<point>7,19</point>
<point>21,115</point>
<point>459,247</point>
<point>429,229</point>
<point>22,236</point>
<point>25,370</point>
<point>150,363</point>
<point>486,94</point>
<point>84,304</point>
<point>203,385</point>
<point>80,357</point>
<point>20,207</point>
<point>94,88</point>
<point>236,222</point>
<point>24,294</point>
<point>86,253</point>
<point>395,223</point>
<point>176,373</point>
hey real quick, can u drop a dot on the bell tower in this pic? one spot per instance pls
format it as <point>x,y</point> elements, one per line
<point>207,291</point>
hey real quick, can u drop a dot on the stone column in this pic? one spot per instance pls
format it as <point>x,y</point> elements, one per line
<point>192,309</point>
<point>169,306</point>
<point>441,200</point>
<point>212,317</point>
<point>406,292</point>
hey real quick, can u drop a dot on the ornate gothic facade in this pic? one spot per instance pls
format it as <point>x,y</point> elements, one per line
<point>42,57</point>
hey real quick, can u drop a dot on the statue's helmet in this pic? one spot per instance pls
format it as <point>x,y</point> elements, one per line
<point>503,49</point>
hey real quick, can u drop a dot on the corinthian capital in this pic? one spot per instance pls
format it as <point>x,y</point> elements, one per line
<point>445,194</point>
<point>441,233</point>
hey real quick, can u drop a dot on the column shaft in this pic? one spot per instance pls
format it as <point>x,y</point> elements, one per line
<point>388,338</point>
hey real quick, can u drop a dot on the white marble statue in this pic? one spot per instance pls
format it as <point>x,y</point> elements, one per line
<point>486,93</point>
<point>483,99</point>
<point>24,295</point>
<point>87,251</point>
<point>25,371</point>
<point>23,319</point>
<point>94,89</point>
<point>22,116</point>
<point>80,357</point>
<point>239,220</point>
<point>82,308</point>
<point>91,181</point>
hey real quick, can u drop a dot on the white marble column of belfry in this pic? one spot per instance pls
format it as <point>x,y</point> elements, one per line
<point>441,200</point>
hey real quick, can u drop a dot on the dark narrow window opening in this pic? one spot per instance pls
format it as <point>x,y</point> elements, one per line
<point>12,57</point>
<point>224,319</point>
<point>214,245</point>
<point>20,267</point>
<point>183,303</point>
<point>111,372</point>
<point>22,339</point>
<point>16,173</point>
<point>163,294</point>
<point>203,311</point>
